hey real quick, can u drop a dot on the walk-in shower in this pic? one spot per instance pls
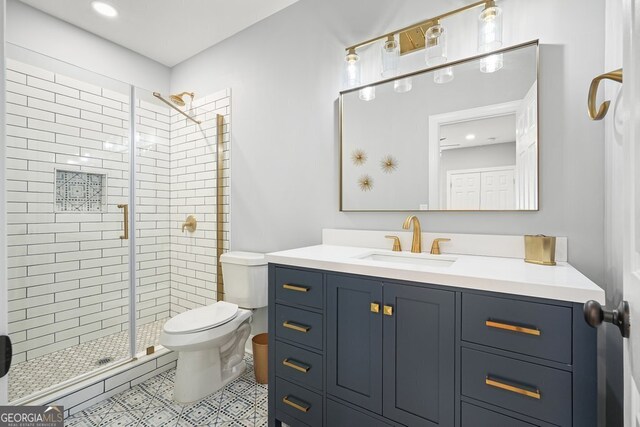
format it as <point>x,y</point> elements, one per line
<point>87,157</point>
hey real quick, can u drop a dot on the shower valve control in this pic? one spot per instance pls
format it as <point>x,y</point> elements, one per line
<point>190,224</point>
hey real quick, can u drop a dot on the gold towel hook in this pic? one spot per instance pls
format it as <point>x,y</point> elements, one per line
<point>593,93</point>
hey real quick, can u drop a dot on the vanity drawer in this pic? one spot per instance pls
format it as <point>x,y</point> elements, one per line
<point>530,328</point>
<point>342,416</point>
<point>475,416</point>
<point>534,390</point>
<point>298,402</point>
<point>298,364</point>
<point>299,287</point>
<point>299,326</point>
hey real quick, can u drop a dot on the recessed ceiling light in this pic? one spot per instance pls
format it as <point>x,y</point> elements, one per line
<point>104,9</point>
<point>470,137</point>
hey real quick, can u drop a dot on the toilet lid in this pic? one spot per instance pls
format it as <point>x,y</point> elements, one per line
<point>202,318</point>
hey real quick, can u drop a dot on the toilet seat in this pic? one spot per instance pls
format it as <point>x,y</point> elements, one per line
<point>201,319</point>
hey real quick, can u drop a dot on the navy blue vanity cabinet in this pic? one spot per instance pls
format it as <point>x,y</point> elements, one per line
<point>354,341</point>
<point>418,353</point>
<point>349,351</point>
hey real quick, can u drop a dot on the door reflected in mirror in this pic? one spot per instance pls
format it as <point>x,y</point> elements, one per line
<point>467,143</point>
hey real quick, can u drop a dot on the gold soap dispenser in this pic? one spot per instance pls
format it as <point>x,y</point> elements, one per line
<point>540,249</point>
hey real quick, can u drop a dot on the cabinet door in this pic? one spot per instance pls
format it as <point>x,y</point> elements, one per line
<point>419,350</point>
<point>354,341</point>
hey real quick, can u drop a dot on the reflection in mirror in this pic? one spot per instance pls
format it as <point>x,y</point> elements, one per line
<point>470,143</point>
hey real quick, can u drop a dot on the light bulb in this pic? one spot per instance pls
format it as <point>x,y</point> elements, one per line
<point>490,28</point>
<point>104,9</point>
<point>435,45</point>
<point>352,68</point>
<point>390,57</point>
<point>491,63</point>
<point>367,93</point>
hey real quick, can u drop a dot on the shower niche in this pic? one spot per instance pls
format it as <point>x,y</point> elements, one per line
<point>80,191</point>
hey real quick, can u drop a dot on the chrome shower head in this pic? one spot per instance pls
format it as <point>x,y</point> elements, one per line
<point>177,99</point>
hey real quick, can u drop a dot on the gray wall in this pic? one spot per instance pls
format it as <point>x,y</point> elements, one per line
<point>286,72</point>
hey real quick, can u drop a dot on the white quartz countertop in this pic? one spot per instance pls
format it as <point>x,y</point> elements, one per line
<point>506,275</point>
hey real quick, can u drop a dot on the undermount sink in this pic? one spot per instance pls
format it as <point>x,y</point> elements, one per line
<point>409,258</point>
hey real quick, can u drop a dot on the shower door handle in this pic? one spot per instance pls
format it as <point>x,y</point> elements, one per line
<point>125,213</point>
<point>6,354</point>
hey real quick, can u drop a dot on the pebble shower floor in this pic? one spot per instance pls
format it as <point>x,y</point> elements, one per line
<point>242,402</point>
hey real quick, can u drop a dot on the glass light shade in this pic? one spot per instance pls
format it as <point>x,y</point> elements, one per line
<point>443,75</point>
<point>491,63</point>
<point>403,85</point>
<point>367,93</point>
<point>435,45</point>
<point>352,69</point>
<point>390,57</point>
<point>490,29</point>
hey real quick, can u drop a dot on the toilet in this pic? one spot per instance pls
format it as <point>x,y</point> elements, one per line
<point>210,341</point>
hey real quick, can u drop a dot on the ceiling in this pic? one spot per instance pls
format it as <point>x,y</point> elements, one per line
<point>487,131</point>
<point>168,31</point>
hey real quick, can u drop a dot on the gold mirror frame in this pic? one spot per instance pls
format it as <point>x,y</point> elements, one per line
<point>343,155</point>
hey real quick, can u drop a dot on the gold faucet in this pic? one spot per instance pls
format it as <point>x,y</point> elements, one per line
<point>416,244</point>
<point>435,247</point>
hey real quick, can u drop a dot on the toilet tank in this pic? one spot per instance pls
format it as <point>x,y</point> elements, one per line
<point>245,279</point>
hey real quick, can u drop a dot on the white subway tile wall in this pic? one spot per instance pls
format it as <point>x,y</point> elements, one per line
<point>193,192</point>
<point>68,271</point>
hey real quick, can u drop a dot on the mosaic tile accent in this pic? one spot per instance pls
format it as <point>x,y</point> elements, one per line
<point>80,191</point>
<point>242,402</point>
<point>53,368</point>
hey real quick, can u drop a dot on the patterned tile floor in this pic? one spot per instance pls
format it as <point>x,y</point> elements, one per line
<point>242,402</point>
<point>36,374</point>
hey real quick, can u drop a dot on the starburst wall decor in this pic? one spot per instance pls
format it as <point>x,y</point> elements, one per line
<point>358,157</point>
<point>388,164</point>
<point>365,182</point>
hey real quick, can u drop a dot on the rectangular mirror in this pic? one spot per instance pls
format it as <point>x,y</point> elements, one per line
<point>447,138</point>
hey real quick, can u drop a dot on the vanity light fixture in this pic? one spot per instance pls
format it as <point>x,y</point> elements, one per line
<point>104,9</point>
<point>430,35</point>
<point>353,68</point>
<point>490,37</point>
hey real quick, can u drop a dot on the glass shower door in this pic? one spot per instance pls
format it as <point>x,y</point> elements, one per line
<point>68,180</point>
<point>153,218</point>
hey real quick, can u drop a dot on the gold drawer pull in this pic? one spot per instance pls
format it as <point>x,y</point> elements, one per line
<point>302,407</point>
<point>387,310</point>
<point>507,387</point>
<point>296,288</point>
<point>296,327</point>
<point>374,307</point>
<point>512,328</point>
<point>297,365</point>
